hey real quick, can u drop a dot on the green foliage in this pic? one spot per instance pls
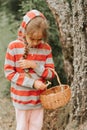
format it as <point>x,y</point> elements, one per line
<point>11,6</point>
<point>6,92</point>
<point>6,35</point>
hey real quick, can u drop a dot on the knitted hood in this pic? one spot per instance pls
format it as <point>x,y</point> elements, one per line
<point>26,19</point>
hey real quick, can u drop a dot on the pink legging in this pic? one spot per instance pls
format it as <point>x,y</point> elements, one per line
<point>29,119</point>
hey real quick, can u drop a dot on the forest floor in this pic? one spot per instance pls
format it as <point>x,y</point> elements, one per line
<point>7,120</point>
<point>7,117</point>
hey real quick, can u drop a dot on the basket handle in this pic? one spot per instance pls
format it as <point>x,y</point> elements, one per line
<point>58,79</point>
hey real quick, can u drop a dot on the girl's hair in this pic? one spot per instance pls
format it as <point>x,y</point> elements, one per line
<point>37,24</point>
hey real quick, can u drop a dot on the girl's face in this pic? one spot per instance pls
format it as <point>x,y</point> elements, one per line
<point>34,40</point>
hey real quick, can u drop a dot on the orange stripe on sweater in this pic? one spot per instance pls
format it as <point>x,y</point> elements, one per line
<point>10,76</point>
<point>45,73</point>
<point>16,44</point>
<point>10,57</point>
<point>23,24</point>
<point>31,15</point>
<point>26,93</point>
<point>36,57</point>
<point>18,57</point>
<point>8,67</point>
<point>49,56</point>
<point>14,58</point>
<point>49,66</point>
<point>26,102</point>
<point>20,79</point>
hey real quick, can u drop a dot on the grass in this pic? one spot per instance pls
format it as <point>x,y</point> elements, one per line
<point>5,37</point>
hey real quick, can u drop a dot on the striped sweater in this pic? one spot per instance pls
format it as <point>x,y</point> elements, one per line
<point>23,95</point>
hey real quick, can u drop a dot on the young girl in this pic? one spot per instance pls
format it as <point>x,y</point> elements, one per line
<point>27,65</point>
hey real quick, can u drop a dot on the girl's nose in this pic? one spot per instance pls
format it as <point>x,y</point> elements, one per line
<point>35,43</point>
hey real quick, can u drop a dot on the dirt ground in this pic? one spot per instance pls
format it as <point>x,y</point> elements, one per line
<point>7,117</point>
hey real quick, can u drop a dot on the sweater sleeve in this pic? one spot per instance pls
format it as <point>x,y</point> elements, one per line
<point>10,71</point>
<point>44,70</point>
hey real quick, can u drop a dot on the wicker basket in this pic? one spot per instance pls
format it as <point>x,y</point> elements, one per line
<point>57,96</point>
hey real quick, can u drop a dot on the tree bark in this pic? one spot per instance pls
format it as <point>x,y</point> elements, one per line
<point>63,16</point>
<point>79,84</point>
<point>71,19</point>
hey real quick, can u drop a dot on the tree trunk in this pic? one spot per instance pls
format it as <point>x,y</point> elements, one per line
<point>71,19</point>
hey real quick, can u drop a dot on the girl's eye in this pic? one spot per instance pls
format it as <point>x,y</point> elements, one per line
<point>39,39</point>
<point>32,39</point>
<point>35,39</point>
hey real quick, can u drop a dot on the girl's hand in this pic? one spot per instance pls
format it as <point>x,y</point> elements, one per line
<point>27,64</point>
<point>39,85</point>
